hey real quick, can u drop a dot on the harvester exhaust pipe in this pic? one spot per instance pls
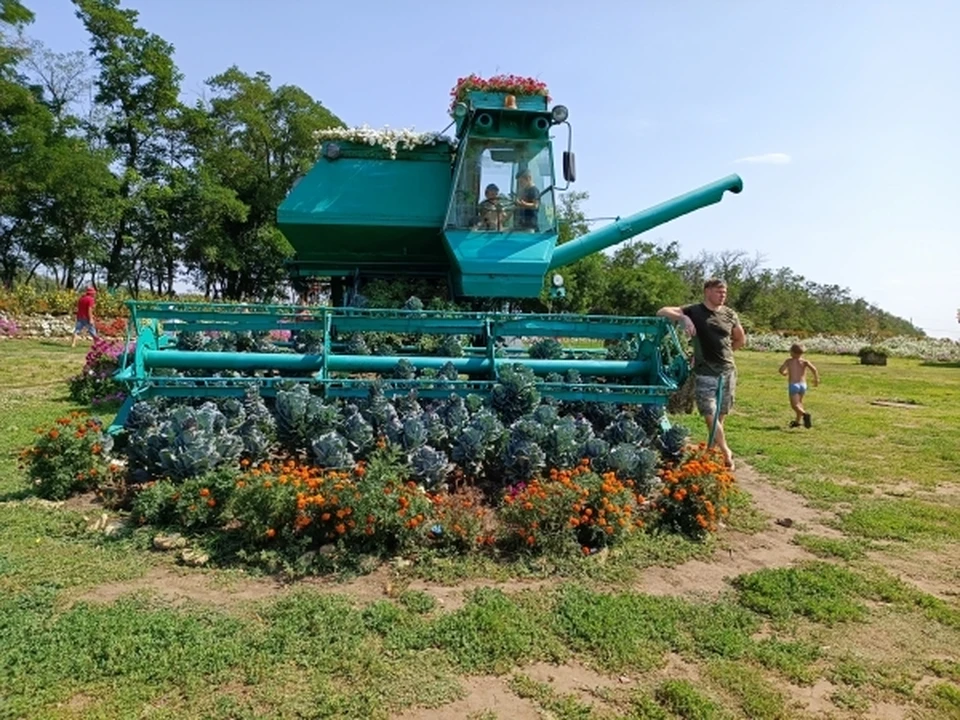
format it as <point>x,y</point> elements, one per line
<point>620,230</point>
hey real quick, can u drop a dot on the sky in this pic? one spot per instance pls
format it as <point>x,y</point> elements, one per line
<point>841,117</point>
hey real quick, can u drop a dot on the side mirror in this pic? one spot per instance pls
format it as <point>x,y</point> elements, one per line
<point>569,166</point>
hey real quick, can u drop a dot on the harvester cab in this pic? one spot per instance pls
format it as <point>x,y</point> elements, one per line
<point>501,224</point>
<point>476,217</point>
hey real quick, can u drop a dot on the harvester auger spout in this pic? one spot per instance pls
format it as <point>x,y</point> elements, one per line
<point>477,216</point>
<point>626,228</point>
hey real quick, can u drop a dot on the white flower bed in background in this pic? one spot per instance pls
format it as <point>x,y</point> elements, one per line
<point>941,350</point>
<point>388,138</point>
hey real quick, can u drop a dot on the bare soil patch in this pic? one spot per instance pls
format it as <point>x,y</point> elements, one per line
<point>896,403</point>
<point>485,693</point>
<point>181,586</point>
<point>813,699</point>
<point>455,597</point>
<point>936,572</point>
<point>741,552</point>
<point>573,678</point>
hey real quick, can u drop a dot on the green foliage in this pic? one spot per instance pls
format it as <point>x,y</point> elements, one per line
<point>493,632</point>
<point>68,457</point>
<point>621,631</point>
<point>820,591</point>
<point>944,698</point>
<point>871,350</point>
<point>902,519</point>
<point>757,699</point>
<point>695,491</point>
<point>95,382</point>
<point>683,699</point>
<point>826,547</point>
<point>793,659</point>
<point>194,504</point>
<point>515,394</point>
<point>182,442</point>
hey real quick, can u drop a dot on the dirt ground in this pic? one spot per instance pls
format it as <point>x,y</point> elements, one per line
<point>785,515</point>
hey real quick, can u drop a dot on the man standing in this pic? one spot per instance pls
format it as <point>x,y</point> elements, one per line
<point>85,315</point>
<point>716,332</point>
<point>527,202</point>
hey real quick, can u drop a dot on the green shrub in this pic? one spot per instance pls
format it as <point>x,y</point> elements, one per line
<point>68,458</point>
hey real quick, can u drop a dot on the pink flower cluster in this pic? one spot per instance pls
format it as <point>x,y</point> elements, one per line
<point>512,84</point>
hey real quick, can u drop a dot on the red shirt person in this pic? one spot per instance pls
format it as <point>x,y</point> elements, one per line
<point>85,315</point>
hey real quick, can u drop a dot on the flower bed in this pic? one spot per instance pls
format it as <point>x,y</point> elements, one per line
<point>509,84</point>
<point>387,138</point>
<point>932,349</point>
<point>94,384</point>
<point>321,479</point>
<point>8,327</point>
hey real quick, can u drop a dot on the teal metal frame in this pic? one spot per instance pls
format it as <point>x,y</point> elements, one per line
<point>656,370</point>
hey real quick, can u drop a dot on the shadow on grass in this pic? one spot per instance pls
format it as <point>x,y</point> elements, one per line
<point>17,495</point>
<point>930,363</point>
<point>769,428</point>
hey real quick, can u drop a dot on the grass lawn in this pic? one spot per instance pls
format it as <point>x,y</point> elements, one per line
<point>849,612</point>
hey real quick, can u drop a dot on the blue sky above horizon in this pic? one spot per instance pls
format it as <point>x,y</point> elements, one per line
<point>839,117</point>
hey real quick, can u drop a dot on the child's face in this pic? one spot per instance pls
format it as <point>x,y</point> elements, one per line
<point>491,194</point>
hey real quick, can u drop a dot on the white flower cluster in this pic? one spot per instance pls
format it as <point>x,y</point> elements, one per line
<point>930,349</point>
<point>391,140</point>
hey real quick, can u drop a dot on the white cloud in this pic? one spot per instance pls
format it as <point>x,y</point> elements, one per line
<point>767,159</point>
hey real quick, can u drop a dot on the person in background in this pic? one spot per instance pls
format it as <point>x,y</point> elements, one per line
<point>716,332</point>
<point>85,319</point>
<point>795,368</point>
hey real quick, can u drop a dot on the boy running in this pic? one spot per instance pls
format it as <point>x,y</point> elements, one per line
<point>795,368</point>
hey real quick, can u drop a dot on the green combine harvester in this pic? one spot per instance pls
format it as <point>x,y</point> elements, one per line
<point>476,214</point>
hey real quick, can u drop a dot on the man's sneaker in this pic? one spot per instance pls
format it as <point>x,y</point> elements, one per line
<point>807,422</point>
<point>794,423</point>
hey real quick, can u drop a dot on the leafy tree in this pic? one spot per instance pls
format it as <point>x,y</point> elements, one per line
<point>138,86</point>
<point>25,124</point>
<point>253,141</point>
<point>586,279</point>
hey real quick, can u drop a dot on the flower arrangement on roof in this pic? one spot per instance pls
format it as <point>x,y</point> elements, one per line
<point>512,84</point>
<point>388,138</point>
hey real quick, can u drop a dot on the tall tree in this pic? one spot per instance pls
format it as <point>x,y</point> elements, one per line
<point>254,141</point>
<point>25,124</point>
<point>14,16</point>
<point>138,85</point>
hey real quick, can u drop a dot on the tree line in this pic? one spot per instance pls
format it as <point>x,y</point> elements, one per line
<point>108,176</point>
<point>106,173</point>
<point>639,277</point>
